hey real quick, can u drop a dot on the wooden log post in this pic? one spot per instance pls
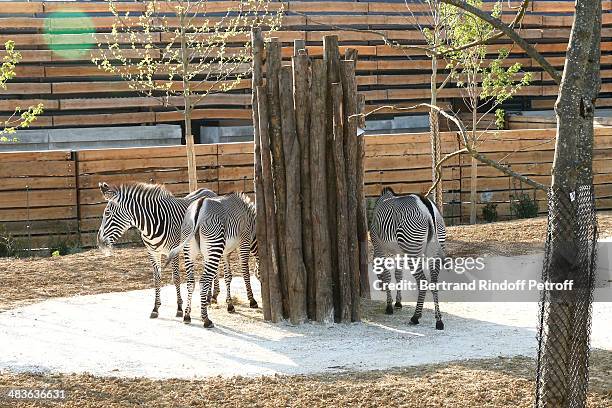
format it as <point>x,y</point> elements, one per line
<point>260,203</point>
<point>342,229</point>
<point>296,272</point>
<point>273,60</point>
<point>301,99</point>
<point>332,60</point>
<point>351,147</point>
<point>273,275</point>
<point>362,220</point>
<point>321,240</point>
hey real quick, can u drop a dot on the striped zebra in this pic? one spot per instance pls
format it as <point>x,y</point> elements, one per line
<point>158,215</point>
<point>218,226</point>
<point>409,225</point>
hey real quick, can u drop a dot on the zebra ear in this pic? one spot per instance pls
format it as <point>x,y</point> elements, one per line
<point>107,191</point>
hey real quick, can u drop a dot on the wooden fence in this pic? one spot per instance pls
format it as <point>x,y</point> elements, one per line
<point>53,195</point>
<point>76,93</point>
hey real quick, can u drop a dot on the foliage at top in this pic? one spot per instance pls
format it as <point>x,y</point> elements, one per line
<point>196,59</point>
<point>485,82</point>
<point>19,118</point>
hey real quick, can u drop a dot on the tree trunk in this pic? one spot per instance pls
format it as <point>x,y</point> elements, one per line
<point>434,131</point>
<point>344,270</point>
<point>191,156</point>
<point>320,220</point>
<point>351,147</point>
<point>564,344</point>
<point>362,219</point>
<point>332,59</point>
<point>189,143</point>
<point>301,96</point>
<point>296,272</point>
<point>473,170</point>
<point>260,201</point>
<point>274,282</point>
<point>273,60</point>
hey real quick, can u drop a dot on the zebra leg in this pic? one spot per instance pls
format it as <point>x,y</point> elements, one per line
<point>434,279</point>
<point>211,265</point>
<point>216,289</point>
<point>177,284</point>
<point>227,274</point>
<point>244,264</point>
<point>385,277</point>
<point>190,255</point>
<point>156,261</point>
<point>399,274</point>
<point>419,275</point>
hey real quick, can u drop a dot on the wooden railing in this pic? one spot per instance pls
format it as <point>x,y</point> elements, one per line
<point>76,93</point>
<point>50,195</point>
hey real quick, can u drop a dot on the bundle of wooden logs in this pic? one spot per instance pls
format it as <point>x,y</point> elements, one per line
<point>311,219</point>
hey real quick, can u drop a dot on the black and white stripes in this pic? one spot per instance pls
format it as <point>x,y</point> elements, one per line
<point>216,227</point>
<point>158,215</point>
<point>408,225</point>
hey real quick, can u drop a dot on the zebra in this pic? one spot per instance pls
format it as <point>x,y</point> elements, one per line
<point>409,225</point>
<point>158,215</point>
<point>217,226</point>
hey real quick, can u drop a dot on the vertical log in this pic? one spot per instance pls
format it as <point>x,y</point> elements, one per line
<point>274,283</point>
<point>296,273</point>
<point>349,88</point>
<point>320,220</point>
<point>331,57</point>
<point>262,239</point>
<point>362,220</point>
<point>273,60</point>
<point>297,46</point>
<point>301,97</point>
<point>342,229</point>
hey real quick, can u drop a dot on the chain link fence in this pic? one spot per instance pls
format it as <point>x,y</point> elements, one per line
<point>565,315</point>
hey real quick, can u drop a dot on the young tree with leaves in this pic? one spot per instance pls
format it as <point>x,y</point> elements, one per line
<point>20,118</point>
<point>205,50</point>
<point>485,84</point>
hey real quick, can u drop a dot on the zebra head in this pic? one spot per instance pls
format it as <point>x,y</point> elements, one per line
<point>115,220</point>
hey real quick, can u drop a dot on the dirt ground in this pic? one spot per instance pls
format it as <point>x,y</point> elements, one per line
<point>24,281</point>
<point>499,383</point>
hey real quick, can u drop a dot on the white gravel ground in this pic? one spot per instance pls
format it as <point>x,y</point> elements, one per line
<point>111,335</point>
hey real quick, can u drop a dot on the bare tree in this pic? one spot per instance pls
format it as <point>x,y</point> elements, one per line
<point>187,43</point>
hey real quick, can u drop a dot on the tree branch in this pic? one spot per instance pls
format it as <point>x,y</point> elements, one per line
<point>466,143</point>
<point>510,33</point>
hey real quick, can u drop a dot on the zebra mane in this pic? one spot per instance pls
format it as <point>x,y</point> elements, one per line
<point>158,190</point>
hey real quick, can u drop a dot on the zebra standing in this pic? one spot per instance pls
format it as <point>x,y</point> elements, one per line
<point>158,215</point>
<point>218,226</point>
<point>410,225</point>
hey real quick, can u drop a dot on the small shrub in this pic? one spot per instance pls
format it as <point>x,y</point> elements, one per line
<point>524,206</point>
<point>63,245</point>
<point>9,245</point>
<point>489,212</point>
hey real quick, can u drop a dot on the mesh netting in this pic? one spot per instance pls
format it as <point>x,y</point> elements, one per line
<point>565,315</point>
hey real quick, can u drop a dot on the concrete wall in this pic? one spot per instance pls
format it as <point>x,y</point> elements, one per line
<point>93,138</point>
<point>400,124</point>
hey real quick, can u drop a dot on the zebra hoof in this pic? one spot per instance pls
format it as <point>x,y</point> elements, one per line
<point>414,320</point>
<point>154,314</point>
<point>230,308</point>
<point>186,319</point>
<point>254,304</point>
<point>398,305</point>
<point>439,325</point>
<point>213,300</point>
<point>179,313</point>
<point>208,323</point>
<point>389,310</point>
